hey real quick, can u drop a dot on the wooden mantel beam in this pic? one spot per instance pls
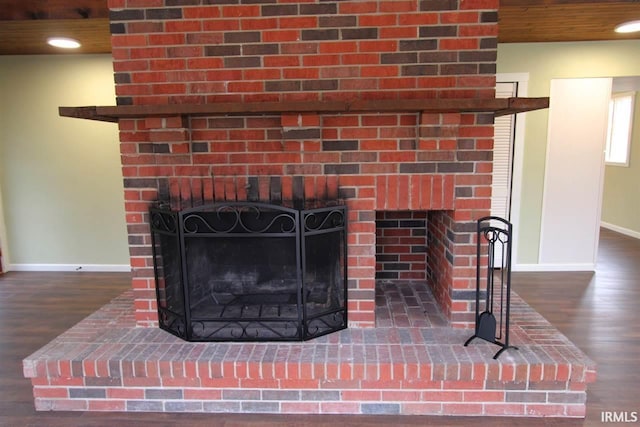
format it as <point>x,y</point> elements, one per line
<point>498,106</point>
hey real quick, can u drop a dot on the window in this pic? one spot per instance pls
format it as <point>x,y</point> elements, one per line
<point>619,130</point>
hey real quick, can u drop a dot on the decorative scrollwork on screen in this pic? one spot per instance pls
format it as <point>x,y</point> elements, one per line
<point>244,218</point>
<point>324,220</point>
<point>162,221</point>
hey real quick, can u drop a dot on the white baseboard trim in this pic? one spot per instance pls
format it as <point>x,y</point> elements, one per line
<point>621,230</point>
<point>70,267</point>
<point>553,267</point>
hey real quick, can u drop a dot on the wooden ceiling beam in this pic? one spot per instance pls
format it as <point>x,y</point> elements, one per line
<point>561,22</point>
<point>52,9</point>
<point>536,3</point>
<point>520,21</point>
<point>29,37</point>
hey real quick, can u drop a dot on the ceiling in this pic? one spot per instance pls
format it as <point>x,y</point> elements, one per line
<point>26,24</point>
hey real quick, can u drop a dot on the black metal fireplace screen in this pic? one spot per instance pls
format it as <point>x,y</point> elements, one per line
<point>249,271</point>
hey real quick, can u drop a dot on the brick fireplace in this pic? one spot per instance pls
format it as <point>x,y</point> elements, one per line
<point>304,56</point>
<point>386,104</point>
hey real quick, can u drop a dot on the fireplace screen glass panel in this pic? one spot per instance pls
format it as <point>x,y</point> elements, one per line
<point>168,276</point>
<point>238,278</point>
<point>324,273</point>
<point>252,271</point>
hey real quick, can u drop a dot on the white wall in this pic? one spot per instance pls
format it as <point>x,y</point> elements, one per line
<point>574,173</point>
<point>543,62</point>
<point>60,178</point>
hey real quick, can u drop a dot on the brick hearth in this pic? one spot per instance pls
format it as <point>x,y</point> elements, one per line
<point>409,364</point>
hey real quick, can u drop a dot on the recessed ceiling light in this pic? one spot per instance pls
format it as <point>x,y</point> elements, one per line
<point>63,42</point>
<point>628,27</point>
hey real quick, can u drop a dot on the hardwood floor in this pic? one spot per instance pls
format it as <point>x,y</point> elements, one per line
<point>598,312</point>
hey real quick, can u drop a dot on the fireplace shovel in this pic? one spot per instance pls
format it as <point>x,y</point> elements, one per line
<point>486,320</point>
<point>487,326</point>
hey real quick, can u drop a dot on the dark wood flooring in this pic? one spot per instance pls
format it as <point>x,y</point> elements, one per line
<point>599,312</point>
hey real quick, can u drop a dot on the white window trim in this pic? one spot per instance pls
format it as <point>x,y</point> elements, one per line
<point>632,95</point>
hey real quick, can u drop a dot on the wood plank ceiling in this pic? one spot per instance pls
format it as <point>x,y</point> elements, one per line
<point>26,24</point>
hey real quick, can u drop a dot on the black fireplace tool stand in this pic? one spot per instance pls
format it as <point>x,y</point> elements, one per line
<point>493,282</point>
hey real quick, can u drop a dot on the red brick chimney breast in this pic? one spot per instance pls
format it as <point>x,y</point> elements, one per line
<point>208,51</point>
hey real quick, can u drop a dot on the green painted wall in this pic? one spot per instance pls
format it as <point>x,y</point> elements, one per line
<point>543,62</point>
<point>60,178</point>
<point>621,198</point>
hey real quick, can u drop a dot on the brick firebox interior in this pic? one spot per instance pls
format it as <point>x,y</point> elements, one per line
<point>313,52</point>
